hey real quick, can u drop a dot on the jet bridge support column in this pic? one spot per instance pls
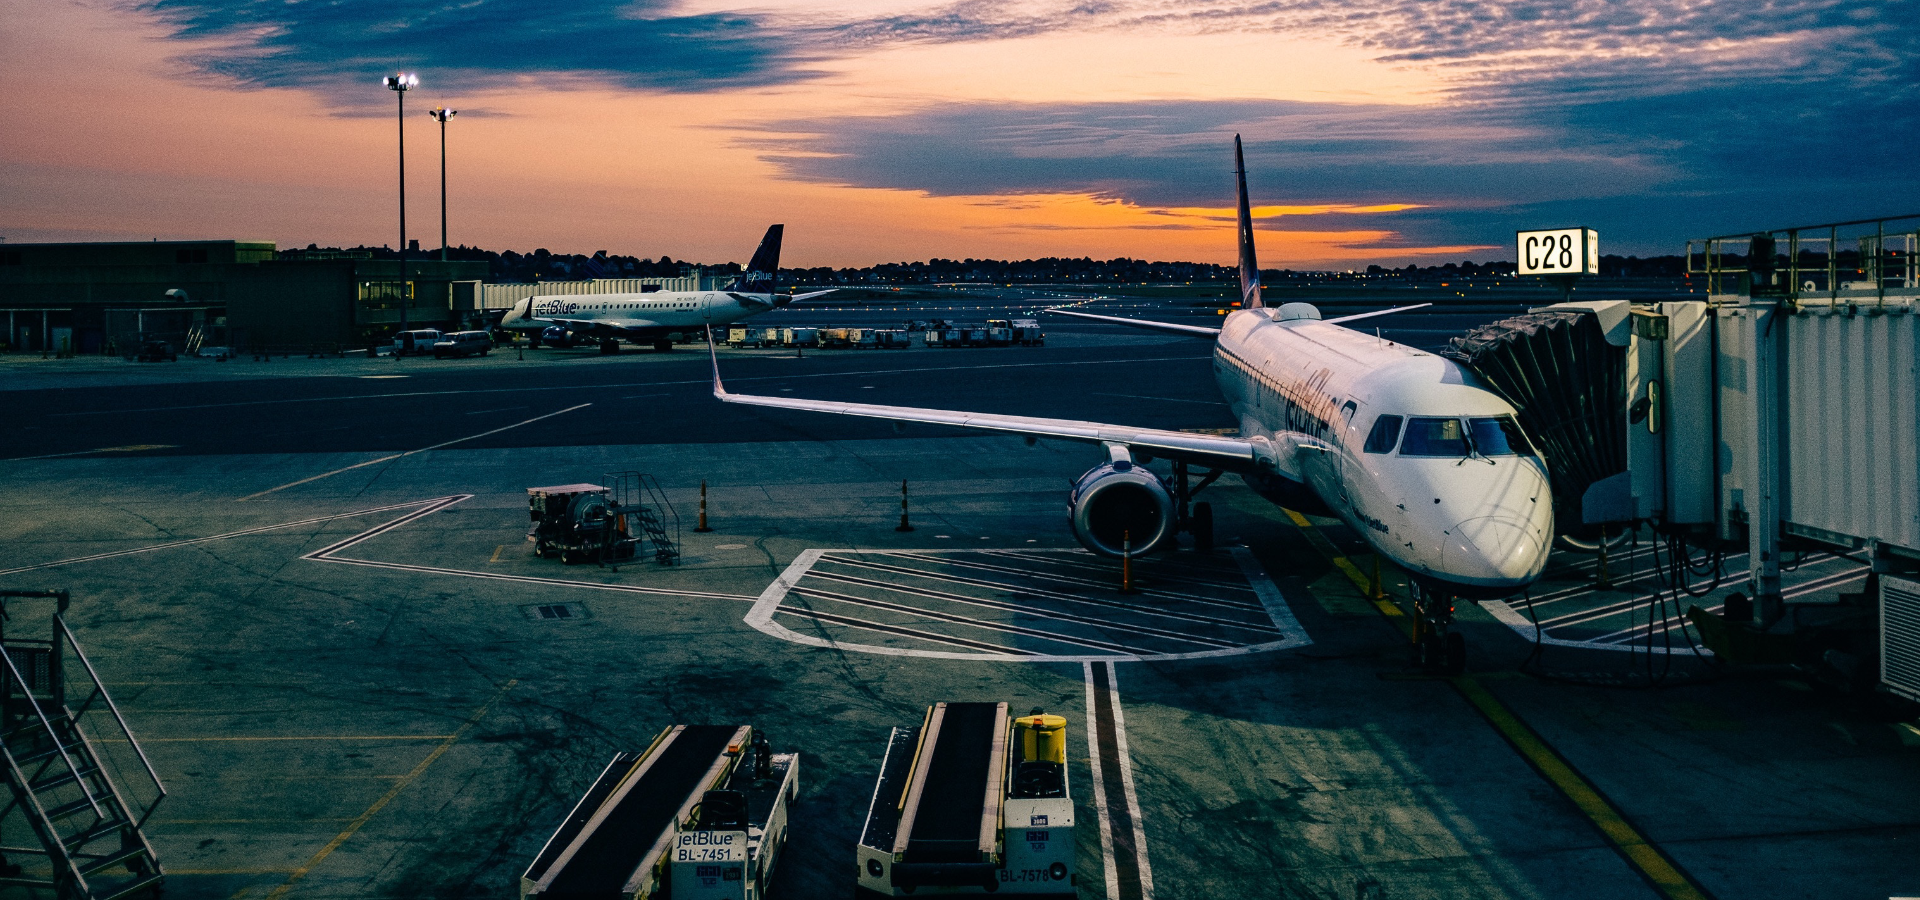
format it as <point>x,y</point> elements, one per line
<point>1751,337</point>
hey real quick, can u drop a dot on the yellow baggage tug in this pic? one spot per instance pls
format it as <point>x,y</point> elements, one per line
<point>701,815</point>
<point>971,803</point>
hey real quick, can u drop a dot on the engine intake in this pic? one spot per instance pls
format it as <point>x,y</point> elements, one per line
<point>1118,503</point>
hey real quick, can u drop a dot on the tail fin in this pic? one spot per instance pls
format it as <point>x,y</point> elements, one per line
<point>758,278</point>
<point>1249,266</point>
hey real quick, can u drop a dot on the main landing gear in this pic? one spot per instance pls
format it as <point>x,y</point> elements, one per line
<point>1437,648</point>
<point>1199,520</point>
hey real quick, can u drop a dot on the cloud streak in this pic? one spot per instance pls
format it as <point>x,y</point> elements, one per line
<point>334,45</point>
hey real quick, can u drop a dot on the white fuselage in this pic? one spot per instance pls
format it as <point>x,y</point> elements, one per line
<point>1466,522</point>
<point>664,311</point>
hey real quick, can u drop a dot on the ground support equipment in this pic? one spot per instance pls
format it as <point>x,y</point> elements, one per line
<point>971,803</point>
<point>700,815</point>
<point>77,779</point>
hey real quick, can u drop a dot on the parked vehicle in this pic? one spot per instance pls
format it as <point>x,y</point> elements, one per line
<point>155,351</point>
<point>463,343</point>
<point>742,336</point>
<point>415,343</point>
<point>892,338</point>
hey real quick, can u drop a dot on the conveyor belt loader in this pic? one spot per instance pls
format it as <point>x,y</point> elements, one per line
<point>971,803</point>
<point>700,815</point>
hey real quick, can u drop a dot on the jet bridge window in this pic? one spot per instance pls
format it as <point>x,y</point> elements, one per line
<point>1386,433</point>
<point>1434,437</point>
<point>1499,437</point>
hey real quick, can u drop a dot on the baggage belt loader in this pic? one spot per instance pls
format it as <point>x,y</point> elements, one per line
<point>971,802</point>
<point>700,815</point>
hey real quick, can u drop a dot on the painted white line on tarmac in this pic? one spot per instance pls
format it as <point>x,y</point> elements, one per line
<point>231,534</point>
<point>761,618</point>
<point>412,452</point>
<point>628,384</point>
<point>1123,835</point>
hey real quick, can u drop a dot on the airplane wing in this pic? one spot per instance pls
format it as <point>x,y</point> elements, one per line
<point>1213,450</point>
<point>1377,312</point>
<point>1191,330</point>
<point>812,294</point>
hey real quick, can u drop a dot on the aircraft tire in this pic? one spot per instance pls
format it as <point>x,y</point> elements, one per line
<point>1433,653</point>
<point>662,346</point>
<point>1202,526</point>
<point>610,347</point>
<point>1456,653</point>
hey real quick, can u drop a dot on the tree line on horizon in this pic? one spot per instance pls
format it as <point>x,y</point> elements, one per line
<point>510,266</point>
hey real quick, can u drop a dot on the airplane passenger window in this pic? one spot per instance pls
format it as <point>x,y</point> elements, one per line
<point>1499,437</point>
<point>1386,433</point>
<point>1434,437</point>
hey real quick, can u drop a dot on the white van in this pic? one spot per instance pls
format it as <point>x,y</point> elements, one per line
<point>413,343</point>
<point>462,343</point>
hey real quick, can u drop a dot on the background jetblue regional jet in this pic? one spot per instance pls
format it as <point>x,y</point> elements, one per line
<point>1407,448</point>
<point>660,317</point>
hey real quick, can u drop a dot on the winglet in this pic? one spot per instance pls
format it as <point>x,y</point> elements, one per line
<point>1249,266</point>
<point>719,390</point>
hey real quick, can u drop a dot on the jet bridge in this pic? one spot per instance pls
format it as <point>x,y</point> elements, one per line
<point>1782,412</point>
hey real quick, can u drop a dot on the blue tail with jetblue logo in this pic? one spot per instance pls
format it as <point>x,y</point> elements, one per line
<point>758,278</point>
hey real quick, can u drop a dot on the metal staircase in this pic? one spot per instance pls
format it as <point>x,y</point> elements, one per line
<point>638,496</point>
<point>62,779</point>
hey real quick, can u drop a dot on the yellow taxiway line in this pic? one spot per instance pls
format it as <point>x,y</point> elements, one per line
<point>1634,847</point>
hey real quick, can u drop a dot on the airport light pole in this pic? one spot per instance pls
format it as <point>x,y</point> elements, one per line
<point>400,84</point>
<point>441,114</point>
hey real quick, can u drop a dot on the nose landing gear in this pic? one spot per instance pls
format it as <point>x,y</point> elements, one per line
<point>1437,648</point>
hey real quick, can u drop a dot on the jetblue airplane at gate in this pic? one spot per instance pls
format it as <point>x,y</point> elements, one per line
<point>1409,449</point>
<point>660,317</point>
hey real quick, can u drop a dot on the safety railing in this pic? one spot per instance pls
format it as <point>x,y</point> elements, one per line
<point>1836,264</point>
<point>98,693</point>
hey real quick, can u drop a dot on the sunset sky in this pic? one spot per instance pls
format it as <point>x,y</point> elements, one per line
<point>1389,131</point>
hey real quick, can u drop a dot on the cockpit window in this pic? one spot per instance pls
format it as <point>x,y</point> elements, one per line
<point>1434,437</point>
<point>1385,433</point>
<point>1499,437</point>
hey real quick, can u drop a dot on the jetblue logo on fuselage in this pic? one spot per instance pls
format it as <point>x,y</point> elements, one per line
<point>555,308</point>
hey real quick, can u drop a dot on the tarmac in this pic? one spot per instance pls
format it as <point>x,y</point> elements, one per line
<point>307,587</point>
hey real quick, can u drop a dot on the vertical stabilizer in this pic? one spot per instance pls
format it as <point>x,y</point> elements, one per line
<point>758,278</point>
<point>1249,264</point>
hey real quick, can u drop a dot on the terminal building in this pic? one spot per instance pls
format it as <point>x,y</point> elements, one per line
<point>92,298</point>
<point>107,297</point>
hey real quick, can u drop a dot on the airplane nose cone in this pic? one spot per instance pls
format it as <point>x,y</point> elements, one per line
<point>1510,550</point>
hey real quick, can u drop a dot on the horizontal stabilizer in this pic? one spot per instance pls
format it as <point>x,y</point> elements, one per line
<point>1378,312</point>
<point>1199,330</point>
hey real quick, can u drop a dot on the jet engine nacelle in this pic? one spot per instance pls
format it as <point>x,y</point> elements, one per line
<point>1118,504</point>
